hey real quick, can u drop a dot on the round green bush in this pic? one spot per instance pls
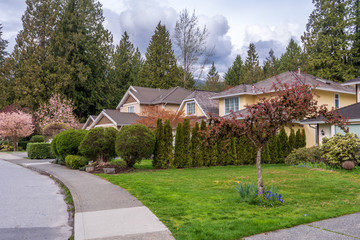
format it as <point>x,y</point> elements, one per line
<point>341,148</point>
<point>37,138</point>
<point>304,155</point>
<point>75,161</point>
<point>39,150</point>
<point>99,144</point>
<point>68,142</point>
<point>134,143</point>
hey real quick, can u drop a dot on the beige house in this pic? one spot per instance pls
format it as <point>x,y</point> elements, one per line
<point>326,92</point>
<point>113,118</point>
<point>89,121</point>
<point>137,99</point>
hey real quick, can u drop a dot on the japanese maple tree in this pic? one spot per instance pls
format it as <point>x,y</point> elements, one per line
<point>15,125</point>
<point>261,121</point>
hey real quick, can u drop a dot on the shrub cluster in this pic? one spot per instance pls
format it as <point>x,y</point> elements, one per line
<point>39,150</point>
<point>67,143</point>
<point>75,161</point>
<point>304,155</point>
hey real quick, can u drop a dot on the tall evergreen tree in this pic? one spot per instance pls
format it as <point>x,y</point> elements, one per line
<point>271,65</point>
<point>292,140</point>
<point>253,72</point>
<point>328,40</point>
<point>187,142</point>
<point>32,61</point>
<point>3,45</point>
<point>168,145</point>
<point>303,137</point>
<point>212,79</point>
<point>235,74</point>
<point>179,147</point>
<point>355,49</point>
<point>284,140</point>
<point>298,139</point>
<point>160,69</point>
<point>125,66</point>
<point>292,58</point>
<point>273,150</point>
<point>196,146</point>
<point>85,46</point>
<point>6,88</point>
<point>158,157</point>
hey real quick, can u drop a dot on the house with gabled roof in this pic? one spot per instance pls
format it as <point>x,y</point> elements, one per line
<point>137,99</point>
<point>199,104</point>
<point>327,92</point>
<point>89,121</point>
<point>114,118</point>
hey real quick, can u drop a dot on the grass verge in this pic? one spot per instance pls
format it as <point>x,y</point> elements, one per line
<point>201,203</point>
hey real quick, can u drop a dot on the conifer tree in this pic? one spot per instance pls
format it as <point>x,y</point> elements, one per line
<point>3,45</point>
<point>284,140</point>
<point>233,150</point>
<point>187,142</point>
<point>292,140</point>
<point>168,145</point>
<point>159,145</point>
<point>245,151</point>
<point>292,58</point>
<point>235,74</point>
<point>179,147</point>
<point>253,71</point>
<point>6,88</point>
<point>280,157</point>
<point>213,80</point>
<point>271,65</point>
<point>265,155</point>
<point>214,154</point>
<point>273,150</point>
<point>160,69</point>
<point>298,139</point>
<point>303,136</point>
<point>196,155</point>
<point>204,147</point>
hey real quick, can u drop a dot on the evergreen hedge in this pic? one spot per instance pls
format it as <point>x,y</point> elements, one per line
<point>39,150</point>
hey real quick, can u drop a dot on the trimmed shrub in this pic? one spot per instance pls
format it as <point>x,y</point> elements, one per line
<point>292,140</point>
<point>196,146</point>
<point>53,129</point>
<point>298,139</point>
<point>303,136</point>
<point>99,144</point>
<point>186,133</point>
<point>134,143</point>
<point>341,148</point>
<point>159,145</point>
<point>280,157</point>
<point>284,140</point>
<point>265,154</point>
<point>75,161</point>
<point>37,138</point>
<point>39,150</point>
<point>179,147</point>
<point>304,155</point>
<point>246,152</point>
<point>68,142</point>
<point>53,146</point>
<point>168,155</point>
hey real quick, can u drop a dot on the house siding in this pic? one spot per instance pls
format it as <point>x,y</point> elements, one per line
<point>124,108</point>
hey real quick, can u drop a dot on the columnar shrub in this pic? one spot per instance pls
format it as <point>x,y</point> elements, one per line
<point>68,142</point>
<point>292,139</point>
<point>204,147</point>
<point>341,148</point>
<point>168,154</point>
<point>159,145</point>
<point>186,132</point>
<point>53,146</point>
<point>298,139</point>
<point>99,144</point>
<point>265,155</point>
<point>280,157</point>
<point>233,150</point>
<point>303,135</point>
<point>179,159</point>
<point>134,143</point>
<point>196,146</point>
<point>39,150</point>
<point>284,140</point>
<point>273,150</point>
<point>246,153</point>
<point>37,138</point>
<point>75,161</point>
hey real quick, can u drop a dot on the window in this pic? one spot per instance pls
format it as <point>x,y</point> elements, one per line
<point>190,108</point>
<point>231,104</point>
<point>131,109</point>
<point>337,101</point>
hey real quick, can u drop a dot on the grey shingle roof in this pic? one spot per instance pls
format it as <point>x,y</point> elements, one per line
<point>151,96</point>
<point>352,81</point>
<point>210,106</point>
<point>289,77</point>
<point>121,118</point>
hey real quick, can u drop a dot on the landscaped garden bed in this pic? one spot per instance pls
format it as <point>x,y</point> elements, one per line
<point>201,203</point>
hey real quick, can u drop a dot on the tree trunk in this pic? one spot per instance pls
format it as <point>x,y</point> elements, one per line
<point>259,174</point>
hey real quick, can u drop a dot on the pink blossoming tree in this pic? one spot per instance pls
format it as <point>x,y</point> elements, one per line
<point>15,125</point>
<point>57,110</point>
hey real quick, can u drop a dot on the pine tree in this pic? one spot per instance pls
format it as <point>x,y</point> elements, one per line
<point>271,65</point>
<point>328,41</point>
<point>298,139</point>
<point>235,74</point>
<point>32,61</point>
<point>213,79</point>
<point>292,140</point>
<point>253,72</point>
<point>168,145</point>
<point>292,58</point>
<point>159,145</point>
<point>284,140</point>
<point>196,155</point>
<point>303,136</point>
<point>179,147</point>
<point>124,67</point>
<point>160,69</point>
<point>187,142</point>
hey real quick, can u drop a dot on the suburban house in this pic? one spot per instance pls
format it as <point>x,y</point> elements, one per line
<point>137,99</point>
<point>134,103</point>
<point>328,92</point>
<point>200,104</point>
<point>351,113</point>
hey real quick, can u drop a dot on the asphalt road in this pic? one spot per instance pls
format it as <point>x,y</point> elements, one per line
<point>31,205</point>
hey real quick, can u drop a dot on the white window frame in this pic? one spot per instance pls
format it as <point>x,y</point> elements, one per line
<point>235,104</point>
<point>131,109</point>
<point>337,96</point>
<point>187,109</point>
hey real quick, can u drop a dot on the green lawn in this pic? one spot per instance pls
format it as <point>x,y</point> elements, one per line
<point>201,203</point>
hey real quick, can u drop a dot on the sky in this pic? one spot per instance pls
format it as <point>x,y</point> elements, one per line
<point>232,24</point>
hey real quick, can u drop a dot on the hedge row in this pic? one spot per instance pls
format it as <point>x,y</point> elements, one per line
<point>39,150</point>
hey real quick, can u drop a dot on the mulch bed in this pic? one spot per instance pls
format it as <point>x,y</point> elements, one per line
<point>118,169</point>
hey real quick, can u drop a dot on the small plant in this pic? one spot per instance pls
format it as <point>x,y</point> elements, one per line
<point>75,161</point>
<point>247,191</point>
<point>270,197</point>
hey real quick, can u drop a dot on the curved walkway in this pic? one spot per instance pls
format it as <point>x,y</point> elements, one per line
<point>102,210</point>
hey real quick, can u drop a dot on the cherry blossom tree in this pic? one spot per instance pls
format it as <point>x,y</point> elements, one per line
<point>261,121</point>
<point>15,125</point>
<point>57,110</point>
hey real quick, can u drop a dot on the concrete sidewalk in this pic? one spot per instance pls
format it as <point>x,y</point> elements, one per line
<point>102,210</point>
